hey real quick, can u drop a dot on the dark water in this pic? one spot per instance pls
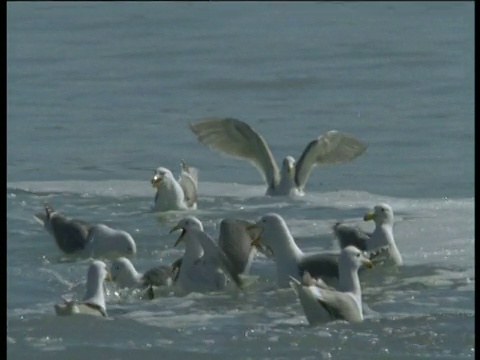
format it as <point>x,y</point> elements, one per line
<point>100,94</point>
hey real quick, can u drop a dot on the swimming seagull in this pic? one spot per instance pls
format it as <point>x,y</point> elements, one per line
<point>78,237</point>
<point>204,265</point>
<point>237,139</point>
<point>124,274</point>
<point>175,195</point>
<point>272,232</point>
<point>323,304</point>
<point>93,302</point>
<point>382,236</point>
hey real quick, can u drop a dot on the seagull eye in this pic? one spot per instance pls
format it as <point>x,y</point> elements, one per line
<point>358,255</point>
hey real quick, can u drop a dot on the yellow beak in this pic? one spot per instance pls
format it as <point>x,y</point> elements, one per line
<point>175,228</point>
<point>108,277</point>
<point>369,216</point>
<point>368,264</point>
<point>156,179</point>
<point>290,170</point>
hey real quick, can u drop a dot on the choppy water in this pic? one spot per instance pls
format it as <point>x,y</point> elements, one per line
<point>100,94</point>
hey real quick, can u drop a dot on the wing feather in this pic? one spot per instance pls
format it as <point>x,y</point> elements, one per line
<point>330,148</point>
<point>189,183</point>
<point>237,139</point>
<point>351,235</point>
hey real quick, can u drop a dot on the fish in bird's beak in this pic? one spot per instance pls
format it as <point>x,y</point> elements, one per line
<point>108,277</point>
<point>254,232</point>
<point>175,228</point>
<point>370,215</point>
<point>367,263</point>
<point>156,179</point>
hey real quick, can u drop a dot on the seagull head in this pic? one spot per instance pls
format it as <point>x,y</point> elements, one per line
<point>120,268</point>
<point>161,176</point>
<point>186,224</point>
<point>381,214</point>
<point>288,167</point>
<point>355,258</point>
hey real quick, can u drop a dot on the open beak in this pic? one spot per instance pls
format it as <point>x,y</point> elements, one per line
<point>175,228</point>
<point>370,215</point>
<point>108,277</point>
<point>156,179</point>
<point>367,263</point>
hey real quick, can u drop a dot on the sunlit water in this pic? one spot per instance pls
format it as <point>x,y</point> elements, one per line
<point>101,94</point>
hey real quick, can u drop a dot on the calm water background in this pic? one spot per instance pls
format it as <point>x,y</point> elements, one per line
<point>100,94</point>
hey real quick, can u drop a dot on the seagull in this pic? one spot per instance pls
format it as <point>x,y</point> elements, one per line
<point>204,266</point>
<point>382,236</point>
<point>322,304</point>
<point>80,238</point>
<point>124,275</point>
<point>272,232</point>
<point>238,139</point>
<point>93,302</point>
<point>175,195</point>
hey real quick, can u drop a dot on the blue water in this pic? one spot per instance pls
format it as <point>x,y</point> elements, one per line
<point>100,94</point>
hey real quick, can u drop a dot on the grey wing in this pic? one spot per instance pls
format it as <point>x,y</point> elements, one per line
<point>236,243</point>
<point>70,235</point>
<point>339,305</point>
<point>236,138</point>
<point>158,276</point>
<point>213,253</point>
<point>324,266</point>
<point>330,148</point>
<point>189,183</point>
<point>351,235</point>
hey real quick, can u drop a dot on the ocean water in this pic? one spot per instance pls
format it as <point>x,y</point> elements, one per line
<point>100,94</point>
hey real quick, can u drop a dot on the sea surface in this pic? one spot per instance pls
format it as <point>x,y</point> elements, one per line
<point>101,94</point>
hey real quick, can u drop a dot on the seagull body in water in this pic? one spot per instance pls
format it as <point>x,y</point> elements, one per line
<point>322,304</point>
<point>125,275</point>
<point>382,235</point>
<point>237,139</point>
<point>204,266</point>
<point>272,232</point>
<point>78,237</point>
<point>93,302</point>
<point>175,195</point>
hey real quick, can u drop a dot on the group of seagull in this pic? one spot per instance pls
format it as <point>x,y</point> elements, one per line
<point>327,283</point>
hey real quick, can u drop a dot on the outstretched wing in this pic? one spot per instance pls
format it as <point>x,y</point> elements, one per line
<point>236,138</point>
<point>330,148</point>
<point>189,183</point>
<point>236,243</point>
